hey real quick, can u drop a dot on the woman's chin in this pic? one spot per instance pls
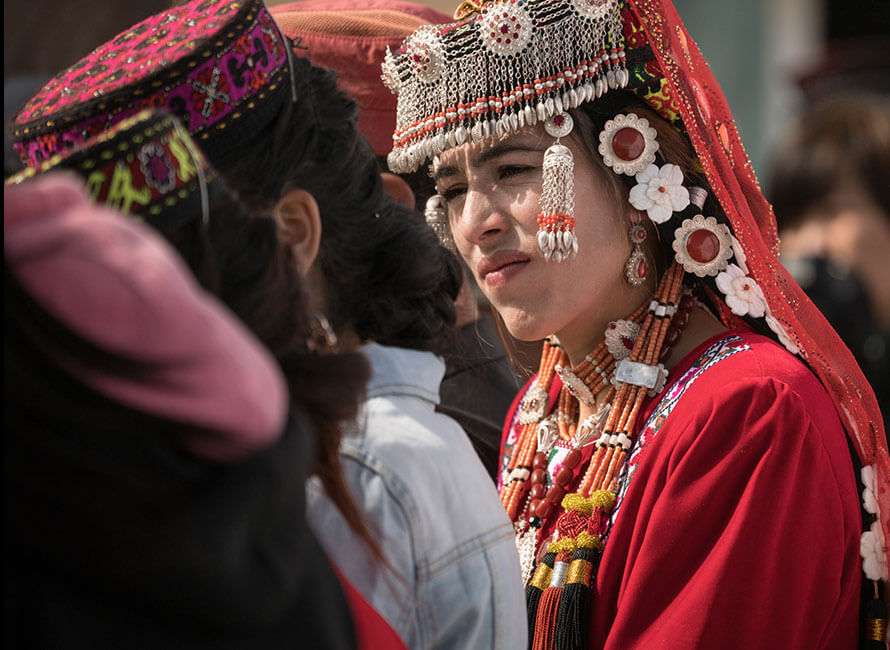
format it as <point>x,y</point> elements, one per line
<point>524,325</point>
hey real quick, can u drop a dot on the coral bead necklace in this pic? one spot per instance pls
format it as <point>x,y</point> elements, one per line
<point>612,383</point>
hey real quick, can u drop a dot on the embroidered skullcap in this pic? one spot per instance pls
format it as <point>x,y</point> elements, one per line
<point>351,38</point>
<point>214,64</point>
<point>147,167</point>
<point>121,288</point>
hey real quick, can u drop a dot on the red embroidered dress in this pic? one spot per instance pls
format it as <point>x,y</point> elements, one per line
<point>737,522</point>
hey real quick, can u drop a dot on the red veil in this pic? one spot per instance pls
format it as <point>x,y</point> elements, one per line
<point>697,96</point>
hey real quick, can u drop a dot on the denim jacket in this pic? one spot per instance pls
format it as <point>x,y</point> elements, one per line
<point>455,580</point>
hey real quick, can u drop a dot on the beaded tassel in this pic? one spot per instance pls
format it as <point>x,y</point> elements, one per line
<point>548,607</point>
<point>556,222</point>
<point>536,586</point>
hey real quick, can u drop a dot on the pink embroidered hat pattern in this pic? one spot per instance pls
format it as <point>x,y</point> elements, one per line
<point>146,167</point>
<point>208,62</point>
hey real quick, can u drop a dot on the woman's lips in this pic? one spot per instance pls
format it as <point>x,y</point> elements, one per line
<point>500,277</point>
<point>496,270</point>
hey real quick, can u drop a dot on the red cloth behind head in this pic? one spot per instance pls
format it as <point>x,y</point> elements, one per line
<point>708,120</point>
<point>351,37</point>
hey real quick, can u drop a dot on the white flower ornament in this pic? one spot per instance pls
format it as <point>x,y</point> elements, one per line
<point>660,192</point>
<point>743,294</point>
<point>874,558</point>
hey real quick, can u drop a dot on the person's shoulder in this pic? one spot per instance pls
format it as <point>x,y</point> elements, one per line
<point>428,467</point>
<point>744,386</point>
<point>406,424</point>
<point>414,447</point>
<point>749,363</point>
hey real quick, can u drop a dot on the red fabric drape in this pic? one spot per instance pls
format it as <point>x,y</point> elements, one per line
<point>712,130</point>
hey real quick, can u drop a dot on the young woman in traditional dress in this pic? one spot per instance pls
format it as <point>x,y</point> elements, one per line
<point>677,471</point>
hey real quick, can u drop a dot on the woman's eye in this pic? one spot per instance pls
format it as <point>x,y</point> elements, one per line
<point>451,193</point>
<point>508,171</point>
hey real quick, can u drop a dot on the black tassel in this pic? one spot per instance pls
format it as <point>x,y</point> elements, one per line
<point>533,594</point>
<point>574,607</point>
<point>875,633</point>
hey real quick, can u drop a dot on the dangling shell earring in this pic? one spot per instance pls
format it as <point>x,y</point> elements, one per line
<point>436,214</point>
<point>556,221</point>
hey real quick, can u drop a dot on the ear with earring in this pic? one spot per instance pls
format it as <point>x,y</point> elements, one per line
<point>636,269</point>
<point>322,338</point>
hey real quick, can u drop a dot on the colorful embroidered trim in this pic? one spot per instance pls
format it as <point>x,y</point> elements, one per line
<point>719,351</point>
<point>143,167</point>
<point>205,62</point>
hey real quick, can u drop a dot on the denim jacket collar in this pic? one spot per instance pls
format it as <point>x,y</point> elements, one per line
<point>400,371</point>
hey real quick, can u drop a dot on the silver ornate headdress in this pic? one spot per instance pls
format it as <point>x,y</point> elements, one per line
<point>541,57</point>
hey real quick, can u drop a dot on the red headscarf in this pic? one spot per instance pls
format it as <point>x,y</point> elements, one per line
<point>707,119</point>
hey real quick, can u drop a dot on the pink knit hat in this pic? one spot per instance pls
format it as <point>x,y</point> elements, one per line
<point>351,37</point>
<point>117,285</point>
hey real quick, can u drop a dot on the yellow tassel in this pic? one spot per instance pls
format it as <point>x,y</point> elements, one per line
<point>586,540</point>
<point>603,499</point>
<point>577,503</point>
<point>565,545</point>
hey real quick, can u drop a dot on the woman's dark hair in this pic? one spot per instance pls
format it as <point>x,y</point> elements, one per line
<point>238,257</point>
<point>386,276</point>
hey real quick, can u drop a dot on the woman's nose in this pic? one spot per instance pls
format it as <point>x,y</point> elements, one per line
<point>480,221</point>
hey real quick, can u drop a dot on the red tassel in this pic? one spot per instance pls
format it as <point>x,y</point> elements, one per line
<point>545,625</point>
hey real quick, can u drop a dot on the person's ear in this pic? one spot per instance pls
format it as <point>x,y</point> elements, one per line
<point>299,225</point>
<point>398,189</point>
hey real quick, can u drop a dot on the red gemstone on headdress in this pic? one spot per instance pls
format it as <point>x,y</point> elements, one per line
<point>703,246</point>
<point>628,143</point>
<point>505,29</point>
<point>558,120</point>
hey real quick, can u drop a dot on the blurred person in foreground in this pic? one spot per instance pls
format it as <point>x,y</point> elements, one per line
<point>830,188</point>
<point>147,167</point>
<point>154,468</point>
<point>284,139</point>
<point>351,38</point>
